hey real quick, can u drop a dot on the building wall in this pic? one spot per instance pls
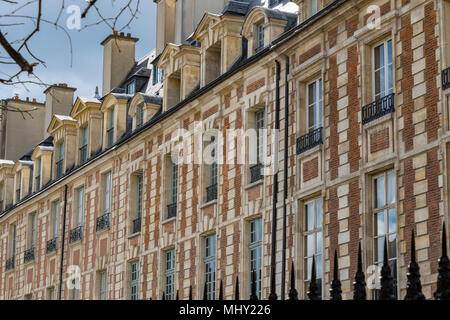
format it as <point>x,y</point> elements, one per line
<point>412,142</point>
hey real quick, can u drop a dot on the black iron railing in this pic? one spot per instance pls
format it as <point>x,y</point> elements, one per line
<point>445,78</point>
<point>378,108</point>
<point>171,210</point>
<point>83,154</point>
<point>52,245</point>
<point>137,225</point>
<point>103,222</point>
<point>211,192</point>
<point>255,172</point>
<point>28,255</point>
<point>309,140</point>
<point>76,234</point>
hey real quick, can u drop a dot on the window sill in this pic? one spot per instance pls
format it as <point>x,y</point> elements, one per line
<point>376,122</point>
<point>253,184</point>
<point>169,220</point>
<point>134,235</point>
<point>207,204</point>
<point>308,152</point>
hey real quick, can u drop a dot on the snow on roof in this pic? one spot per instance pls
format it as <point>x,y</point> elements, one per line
<point>26,162</point>
<point>86,99</point>
<point>3,161</point>
<point>46,148</point>
<point>62,117</point>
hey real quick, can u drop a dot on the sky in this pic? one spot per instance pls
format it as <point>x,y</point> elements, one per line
<point>84,70</point>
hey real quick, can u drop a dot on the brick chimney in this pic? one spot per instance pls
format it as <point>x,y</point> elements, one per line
<point>58,100</point>
<point>118,59</point>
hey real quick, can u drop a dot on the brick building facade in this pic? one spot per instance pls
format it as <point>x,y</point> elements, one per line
<point>366,160</point>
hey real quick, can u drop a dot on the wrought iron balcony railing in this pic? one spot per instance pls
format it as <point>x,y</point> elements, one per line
<point>103,222</point>
<point>255,172</point>
<point>171,210</point>
<point>28,255</point>
<point>378,108</point>
<point>137,225</point>
<point>211,192</point>
<point>445,78</point>
<point>309,140</point>
<point>52,245</point>
<point>83,154</point>
<point>76,234</point>
<point>10,263</point>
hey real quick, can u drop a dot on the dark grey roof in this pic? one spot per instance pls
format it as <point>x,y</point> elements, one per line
<point>234,7</point>
<point>152,99</point>
<point>291,18</point>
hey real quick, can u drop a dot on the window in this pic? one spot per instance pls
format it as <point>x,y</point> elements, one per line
<point>260,124</point>
<point>211,189</point>
<point>157,75</point>
<point>382,70</point>
<point>101,280</point>
<point>12,241</point>
<point>139,116</point>
<point>137,206</point>
<point>312,240</point>
<point>110,130</point>
<point>79,207</point>
<point>55,220</point>
<point>51,293</point>
<point>312,7</point>
<point>38,174</point>
<point>131,88</point>
<point>19,185</point>
<point>169,274</point>
<point>173,189</point>
<point>134,281</point>
<point>107,193</point>
<point>255,254</point>
<point>60,160</point>
<point>210,266</point>
<point>32,231</point>
<point>314,105</point>
<point>259,36</point>
<point>2,196</point>
<point>75,294</point>
<point>385,222</point>
<point>84,144</point>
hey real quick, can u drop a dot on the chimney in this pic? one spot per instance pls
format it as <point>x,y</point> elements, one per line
<point>118,59</point>
<point>58,100</point>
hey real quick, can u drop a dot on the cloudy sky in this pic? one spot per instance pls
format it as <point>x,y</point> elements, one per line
<point>84,69</point>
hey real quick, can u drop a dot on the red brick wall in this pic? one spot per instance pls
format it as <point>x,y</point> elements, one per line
<point>255,85</point>
<point>309,54</point>
<point>334,138</point>
<point>379,140</point>
<point>310,169</point>
<point>406,60</point>
<point>354,127</point>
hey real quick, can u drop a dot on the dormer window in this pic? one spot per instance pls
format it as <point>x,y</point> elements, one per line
<point>131,88</point>
<point>60,160</point>
<point>313,7</point>
<point>139,116</point>
<point>259,36</point>
<point>157,75</point>
<point>84,144</point>
<point>19,185</point>
<point>110,130</point>
<point>38,174</point>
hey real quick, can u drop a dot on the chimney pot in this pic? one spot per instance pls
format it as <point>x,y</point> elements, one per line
<point>115,32</point>
<point>16,97</point>
<point>128,35</point>
<point>28,99</point>
<point>121,34</point>
<point>34,99</point>
<point>63,84</point>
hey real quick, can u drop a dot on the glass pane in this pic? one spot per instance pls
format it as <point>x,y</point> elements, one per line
<point>309,216</point>
<point>311,93</point>
<point>319,213</point>
<point>391,188</point>
<point>310,245</point>
<point>319,242</point>
<point>379,224</point>
<point>319,266</point>
<point>382,82</point>
<point>377,84</point>
<point>390,80</point>
<point>379,245</point>
<point>310,117</point>
<point>389,51</point>
<point>392,220</point>
<point>392,246</point>
<point>308,268</point>
<point>380,197</point>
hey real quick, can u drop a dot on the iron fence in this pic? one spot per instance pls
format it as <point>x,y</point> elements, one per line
<point>76,234</point>
<point>52,245</point>
<point>378,108</point>
<point>102,222</point>
<point>28,255</point>
<point>309,140</point>
<point>211,193</point>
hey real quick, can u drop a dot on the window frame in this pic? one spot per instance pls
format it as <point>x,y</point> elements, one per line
<point>385,66</point>
<point>260,124</point>
<point>131,84</point>
<point>255,246</point>
<point>79,207</point>
<point>169,274</point>
<point>259,35</point>
<point>84,140</point>
<point>56,210</point>
<point>107,193</point>
<point>209,265</point>
<point>110,127</point>
<point>59,163</point>
<point>37,178</point>
<point>32,230</point>
<point>102,280</point>
<point>134,280</point>
<point>317,105</point>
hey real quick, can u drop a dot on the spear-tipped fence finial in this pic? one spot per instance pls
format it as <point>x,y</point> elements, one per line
<point>313,292</point>
<point>205,292</point>
<point>220,290</point>
<point>443,281</point>
<point>359,285</point>
<point>253,295</point>
<point>190,292</point>
<point>163,296</point>
<point>177,297</point>
<point>293,294</point>
<point>336,290</point>
<point>413,286</point>
<point>386,280</point>
<point>236,293</point>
